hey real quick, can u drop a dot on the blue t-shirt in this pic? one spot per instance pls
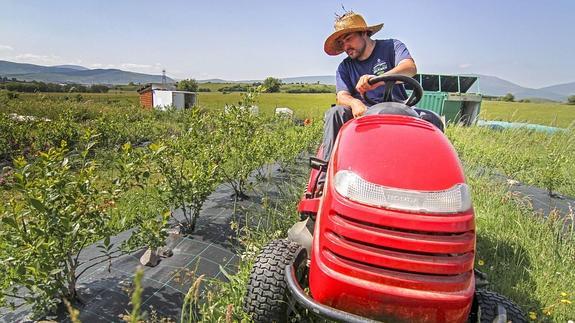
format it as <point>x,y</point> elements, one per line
<point>385,56</point>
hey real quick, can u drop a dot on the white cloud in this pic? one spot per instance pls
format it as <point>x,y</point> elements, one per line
<point>135,66</point>
<point>6,48</point>
<point>464,65</point>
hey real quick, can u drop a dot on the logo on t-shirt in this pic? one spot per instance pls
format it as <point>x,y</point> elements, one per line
<point>380,67</point>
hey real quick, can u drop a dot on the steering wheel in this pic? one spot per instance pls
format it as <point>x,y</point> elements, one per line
<point>390,80</point>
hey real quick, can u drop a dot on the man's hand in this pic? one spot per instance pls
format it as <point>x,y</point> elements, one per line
<point>363,85</point>
<point>357,108</point>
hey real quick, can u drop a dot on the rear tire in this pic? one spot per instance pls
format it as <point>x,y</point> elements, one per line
<point>487,303</point>
<point>267,294</point>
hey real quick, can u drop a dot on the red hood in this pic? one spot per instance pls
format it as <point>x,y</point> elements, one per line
<point>412,153</point>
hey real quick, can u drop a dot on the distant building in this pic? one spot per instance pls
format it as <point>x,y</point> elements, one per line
<point>163,96</point>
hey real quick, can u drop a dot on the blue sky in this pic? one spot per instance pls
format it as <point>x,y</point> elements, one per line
<point>527,42</point>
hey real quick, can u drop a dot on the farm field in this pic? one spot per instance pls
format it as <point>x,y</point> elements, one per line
<point>527,257</point>
<point>314,105</point>
<point>549,114</point>
<point>84,176</point>
<point>543,160</point>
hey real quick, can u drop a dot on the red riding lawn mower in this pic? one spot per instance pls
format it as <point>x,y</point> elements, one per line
<point>393,231</point>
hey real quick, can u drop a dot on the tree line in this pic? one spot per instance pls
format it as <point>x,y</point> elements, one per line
<point>36,86</point>
<point>270,84</point>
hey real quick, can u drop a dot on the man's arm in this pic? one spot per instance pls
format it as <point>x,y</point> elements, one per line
<point>343,95</point>
<point>406,67</point>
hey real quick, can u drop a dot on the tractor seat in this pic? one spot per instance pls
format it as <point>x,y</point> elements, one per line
<point>431,117</point>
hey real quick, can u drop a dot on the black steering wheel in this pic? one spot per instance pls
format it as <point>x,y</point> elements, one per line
<point>390,80</point>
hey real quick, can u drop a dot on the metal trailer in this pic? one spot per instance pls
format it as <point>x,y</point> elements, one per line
<point>450,97</point>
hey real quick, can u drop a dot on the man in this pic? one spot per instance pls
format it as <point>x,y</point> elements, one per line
<point>366,58</point>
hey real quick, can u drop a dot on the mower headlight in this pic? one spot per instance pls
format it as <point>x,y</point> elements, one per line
<point>453,200</point>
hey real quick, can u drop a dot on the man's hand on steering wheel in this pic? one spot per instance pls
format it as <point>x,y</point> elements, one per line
<point>364,86</point>
<point>389,80</point>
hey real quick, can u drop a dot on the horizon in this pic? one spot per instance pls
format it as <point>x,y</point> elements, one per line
<point>232,41</point>
<point>223,80</point>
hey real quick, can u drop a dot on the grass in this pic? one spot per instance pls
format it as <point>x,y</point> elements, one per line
<point>527,258</point>
<point>549,114</point>
<point>303,105</point>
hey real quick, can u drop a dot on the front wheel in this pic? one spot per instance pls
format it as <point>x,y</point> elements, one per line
<point>267,294</point>
<point>490,305</point>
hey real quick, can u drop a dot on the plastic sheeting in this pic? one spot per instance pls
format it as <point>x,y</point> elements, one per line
<point>106,291</point>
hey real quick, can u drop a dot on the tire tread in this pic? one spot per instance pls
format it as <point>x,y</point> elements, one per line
<point>488,301</point>
<point>266,299</point>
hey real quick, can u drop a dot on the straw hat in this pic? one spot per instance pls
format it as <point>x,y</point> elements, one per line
<point>348,23</point>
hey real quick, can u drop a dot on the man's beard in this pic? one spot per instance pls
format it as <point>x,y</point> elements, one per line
<point>356,53</point>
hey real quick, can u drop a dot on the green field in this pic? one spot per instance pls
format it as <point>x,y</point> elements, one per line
<point>527,257</point>
<point>314,105</point>
<point>303,105</point>
<point>550,114</point>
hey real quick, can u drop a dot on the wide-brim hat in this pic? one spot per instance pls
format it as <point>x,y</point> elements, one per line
<point>348,23</point>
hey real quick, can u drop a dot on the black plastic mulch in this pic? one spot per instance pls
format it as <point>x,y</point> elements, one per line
<point>539,199</point>
<point>545,203</point>
<point>105,289</point>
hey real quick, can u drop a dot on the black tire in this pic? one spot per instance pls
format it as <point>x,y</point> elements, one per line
<point>267,294</point>
<point>487,302</point>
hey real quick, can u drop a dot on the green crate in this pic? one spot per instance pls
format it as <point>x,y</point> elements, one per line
<point>452,110</point>
<point>433,101</point>
<point>447,95</point>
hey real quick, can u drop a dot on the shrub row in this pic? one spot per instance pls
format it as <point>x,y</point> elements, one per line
<point>65,197</point>
<point>536,158</point>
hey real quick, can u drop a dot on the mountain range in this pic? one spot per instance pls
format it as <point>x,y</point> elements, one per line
<point>488,85</point>
<point>495,86</point>
<point>74,74</point>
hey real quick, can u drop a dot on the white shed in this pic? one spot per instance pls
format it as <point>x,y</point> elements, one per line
<point>162,97</point>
